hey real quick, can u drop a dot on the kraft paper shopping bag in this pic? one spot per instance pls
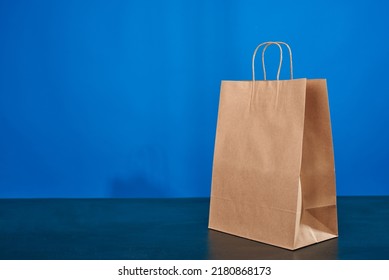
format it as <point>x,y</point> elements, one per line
<point>273,176</point>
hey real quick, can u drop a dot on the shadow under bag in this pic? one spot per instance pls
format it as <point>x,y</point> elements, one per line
<point>273,176</point>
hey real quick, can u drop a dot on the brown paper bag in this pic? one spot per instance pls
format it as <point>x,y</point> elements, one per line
<point>273,175</point>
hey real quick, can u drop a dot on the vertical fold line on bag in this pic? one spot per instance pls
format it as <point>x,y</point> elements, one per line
<point>252,92</point>
<point>299,213</point>
<point>277,92</point>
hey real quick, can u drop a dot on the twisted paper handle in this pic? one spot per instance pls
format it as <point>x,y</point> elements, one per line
<point>267,44</point>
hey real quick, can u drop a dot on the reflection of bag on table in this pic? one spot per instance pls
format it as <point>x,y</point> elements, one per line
<point>273,175</point>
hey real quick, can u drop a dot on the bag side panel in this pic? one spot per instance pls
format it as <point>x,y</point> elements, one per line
<point>318,219</point>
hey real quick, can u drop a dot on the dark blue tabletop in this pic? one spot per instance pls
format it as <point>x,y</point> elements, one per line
<point>169,229</point>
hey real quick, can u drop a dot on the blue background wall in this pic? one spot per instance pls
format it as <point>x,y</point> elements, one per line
<point>119,98</point>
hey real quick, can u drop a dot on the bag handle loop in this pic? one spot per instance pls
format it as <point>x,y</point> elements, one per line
<point>263,64</point>
<point>267,44</point>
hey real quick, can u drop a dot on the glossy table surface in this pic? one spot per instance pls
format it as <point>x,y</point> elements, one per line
<point>169,229</point>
